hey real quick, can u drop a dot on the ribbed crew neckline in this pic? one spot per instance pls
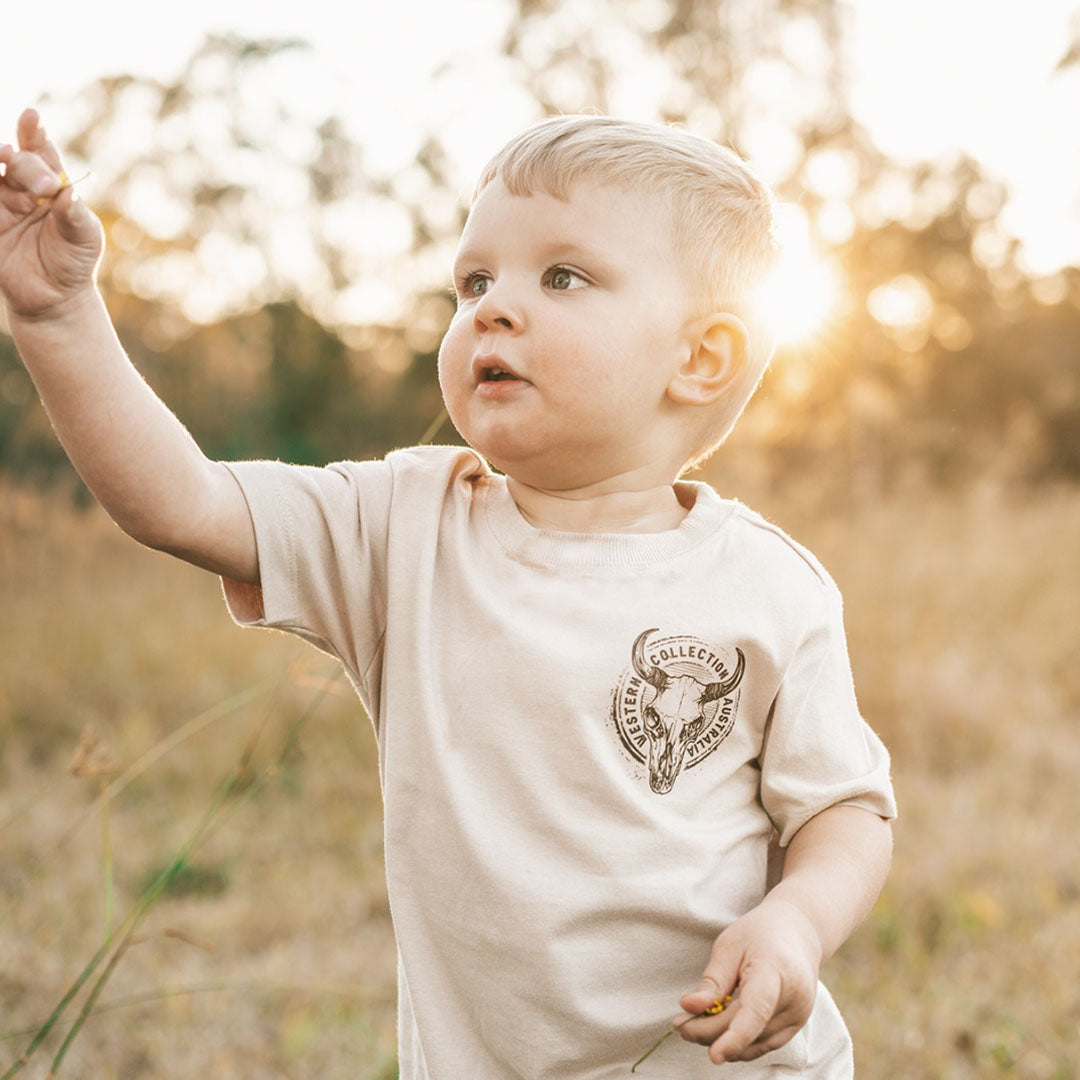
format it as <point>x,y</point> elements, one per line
<point>593,550</point>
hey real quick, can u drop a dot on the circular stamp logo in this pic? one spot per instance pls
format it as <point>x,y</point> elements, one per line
<point>676,703</point>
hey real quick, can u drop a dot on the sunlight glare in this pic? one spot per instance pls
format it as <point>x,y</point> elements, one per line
<point>902,302</point>
<point>800,293</point>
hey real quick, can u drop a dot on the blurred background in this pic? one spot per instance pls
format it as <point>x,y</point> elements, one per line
<point>282,190</point>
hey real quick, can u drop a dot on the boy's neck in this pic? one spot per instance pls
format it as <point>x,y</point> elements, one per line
<point>605,507</point>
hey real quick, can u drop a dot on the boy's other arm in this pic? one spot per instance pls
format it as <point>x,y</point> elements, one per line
<point>134,455</point>
<point>834,870</point>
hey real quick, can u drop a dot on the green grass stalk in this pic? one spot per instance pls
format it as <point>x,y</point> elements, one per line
<point>146,902</point>
<point>164,746</point>
<point>281,986</point>
<point>141,911</point>
<point>43,1032</point>
<point>107,861</point>
<point>433,427</point>
<point>140,765</point>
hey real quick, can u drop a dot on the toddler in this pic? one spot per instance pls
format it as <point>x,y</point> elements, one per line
<point>599,692</point>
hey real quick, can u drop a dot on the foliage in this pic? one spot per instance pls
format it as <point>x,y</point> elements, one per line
<point>239,226</point>
<point>976,374</point>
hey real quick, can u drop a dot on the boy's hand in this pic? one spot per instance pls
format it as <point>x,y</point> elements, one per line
<point>50,243</point>
<point>771,956</point>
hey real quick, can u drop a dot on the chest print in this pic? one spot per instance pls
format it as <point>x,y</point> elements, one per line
<point>676,703</point>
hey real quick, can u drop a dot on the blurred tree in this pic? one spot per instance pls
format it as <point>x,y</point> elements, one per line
<point>763,76</point>
<point>218,192</point>
<point>942,359</point>
<point>944,362</point>
<point>245,233</point>
<point>236,230</point>
<point>1071,57</point>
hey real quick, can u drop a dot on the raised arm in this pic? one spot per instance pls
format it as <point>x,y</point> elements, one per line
<point>134,455</point>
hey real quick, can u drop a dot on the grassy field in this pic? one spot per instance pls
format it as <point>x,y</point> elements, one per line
<point>271,954</point>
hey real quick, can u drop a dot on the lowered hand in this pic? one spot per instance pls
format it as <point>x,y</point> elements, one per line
<point>769,960</point>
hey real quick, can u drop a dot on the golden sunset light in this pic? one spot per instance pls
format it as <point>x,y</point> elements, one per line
<point>591,655</point>
<point>801,292</point>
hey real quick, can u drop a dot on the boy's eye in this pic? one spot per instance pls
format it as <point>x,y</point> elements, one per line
<point>473,285</point>
<point>564,279</point>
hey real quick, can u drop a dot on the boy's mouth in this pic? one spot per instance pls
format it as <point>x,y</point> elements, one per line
<point>492,369</point>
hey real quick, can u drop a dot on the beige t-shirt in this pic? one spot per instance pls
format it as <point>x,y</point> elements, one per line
<point>585,741</point>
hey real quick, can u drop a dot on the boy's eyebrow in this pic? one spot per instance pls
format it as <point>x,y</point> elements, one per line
<point>569,247</point>
<point>554,249</point>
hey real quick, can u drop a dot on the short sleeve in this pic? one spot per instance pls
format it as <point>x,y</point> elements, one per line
<point>321,535</point>
<point>818,751</point>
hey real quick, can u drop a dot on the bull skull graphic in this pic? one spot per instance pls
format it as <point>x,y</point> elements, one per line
<point>675,715</point>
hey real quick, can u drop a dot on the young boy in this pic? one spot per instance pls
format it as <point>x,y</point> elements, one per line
<point>597,691</point>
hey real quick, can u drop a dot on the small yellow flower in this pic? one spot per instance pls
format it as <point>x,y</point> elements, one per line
<point>718,1006</point>
<point>64,183</point>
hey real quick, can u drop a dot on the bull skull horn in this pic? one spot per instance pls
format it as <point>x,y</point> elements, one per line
<point>653,675</point>
<point>715,691</point>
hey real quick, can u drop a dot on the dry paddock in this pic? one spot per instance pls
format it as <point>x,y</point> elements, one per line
<point>272,955</point>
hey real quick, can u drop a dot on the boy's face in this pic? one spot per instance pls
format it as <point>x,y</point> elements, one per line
<point>571,322</point>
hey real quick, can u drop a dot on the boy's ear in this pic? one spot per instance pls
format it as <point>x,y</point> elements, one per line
<point>718,348</point>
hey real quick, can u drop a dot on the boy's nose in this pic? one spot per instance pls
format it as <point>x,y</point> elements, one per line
<point>496,310</point>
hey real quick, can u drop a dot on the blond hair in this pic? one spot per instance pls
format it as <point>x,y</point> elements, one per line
<point>721,214</point>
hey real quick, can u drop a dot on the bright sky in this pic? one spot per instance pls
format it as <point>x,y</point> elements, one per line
<point>930,75</point>
<point>979,74</point>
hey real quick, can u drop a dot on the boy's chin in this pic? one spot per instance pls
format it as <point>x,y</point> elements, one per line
<point>523,464</point>
<point>497,457</point>
<point>505,450</point>
<point>523,454</point>
<point>543,472</point>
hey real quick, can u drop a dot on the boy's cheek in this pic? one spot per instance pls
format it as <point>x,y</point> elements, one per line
<point>455,379</point>
<point>445,363</point>
<point>454,353</point>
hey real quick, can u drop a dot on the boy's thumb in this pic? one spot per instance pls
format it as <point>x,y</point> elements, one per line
<point>70,211</point>
<point>718,980</point>
<point>708,992</point>
<point>77,225</point>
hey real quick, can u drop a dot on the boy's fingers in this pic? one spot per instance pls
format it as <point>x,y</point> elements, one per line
<point>704,1030</point>
<point>773,1041</point>
<point>27,128</point>
<point>75,222</point>
<point>708,991</point>
<point>27,171</point>
<point>713,998</point>
<point>718,980</point>
<point>31,136</point>
<point>759,996</point>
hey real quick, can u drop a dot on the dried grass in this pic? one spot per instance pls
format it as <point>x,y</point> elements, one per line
<point>961,614</point>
